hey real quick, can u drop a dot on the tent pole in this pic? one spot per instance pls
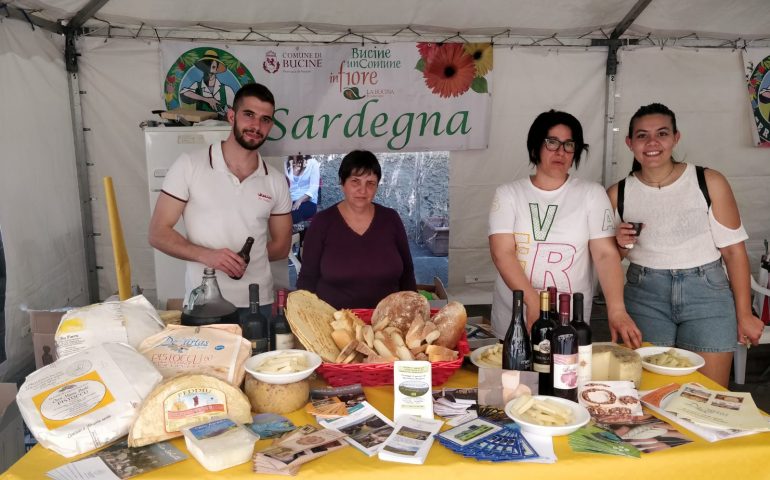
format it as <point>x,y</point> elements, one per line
<point>84,189</point>
<point>610,164</point>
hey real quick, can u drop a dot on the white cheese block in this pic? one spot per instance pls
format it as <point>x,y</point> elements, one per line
<point>220,444</point>
<point>610,361</point>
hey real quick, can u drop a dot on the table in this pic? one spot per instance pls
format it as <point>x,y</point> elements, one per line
<point>734,458</point>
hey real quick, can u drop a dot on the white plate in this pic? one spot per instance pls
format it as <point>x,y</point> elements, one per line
<point>697,361</point>
<point>580,417</point>
<point>312,360</point>
<point>482,363</point>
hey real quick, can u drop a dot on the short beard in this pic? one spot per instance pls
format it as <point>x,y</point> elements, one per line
<point>243,142</point>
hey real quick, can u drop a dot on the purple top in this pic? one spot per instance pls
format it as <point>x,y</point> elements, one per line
<point>348,270</point>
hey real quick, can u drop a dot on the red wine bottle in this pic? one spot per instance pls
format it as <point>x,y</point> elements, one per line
<point>553,296</point>
<point>244,254</point>
<point>254,324</point>
<point>517,352</point>
<point>564,354</point>
<point>282,337</point>
<point>585,350</point>
<point>542,330</point>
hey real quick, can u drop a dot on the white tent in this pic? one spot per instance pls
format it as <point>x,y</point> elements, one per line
<point>69,120</point>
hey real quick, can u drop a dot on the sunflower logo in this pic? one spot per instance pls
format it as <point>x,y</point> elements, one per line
<point>451,69</point>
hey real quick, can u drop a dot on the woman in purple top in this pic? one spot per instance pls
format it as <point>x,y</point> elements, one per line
<point>356,252</point>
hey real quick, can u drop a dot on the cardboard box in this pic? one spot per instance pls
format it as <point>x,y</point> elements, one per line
<point>44,324</point>
<point>189,115</point>
<point>438,290</point>
<point>174,304</point>
<point>11,427</point>
<point>435,233</point>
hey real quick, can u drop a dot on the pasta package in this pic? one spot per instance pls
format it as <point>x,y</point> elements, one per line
<point>86,400</point>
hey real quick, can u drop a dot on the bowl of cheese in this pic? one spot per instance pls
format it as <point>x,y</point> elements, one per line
<point>546,415</point>
<point>280,367</point>
<point>670,361</point>
<point>488,356</point>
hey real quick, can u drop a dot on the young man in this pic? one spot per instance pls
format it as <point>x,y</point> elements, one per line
<point>227,193</point>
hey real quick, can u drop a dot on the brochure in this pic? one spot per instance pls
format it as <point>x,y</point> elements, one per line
<point>410,441</point>
<point>484,440</point>
<point>647,433</point>
<point>270,425</point>
<point>657,400</point>
<point>366,428</point>
<point>283,458</point>
<point>455,402</point>
<point>412,389</point>
<point>121,462</point>
<point>592,439</point>
<point>718,409</point>
<point>610,400</point>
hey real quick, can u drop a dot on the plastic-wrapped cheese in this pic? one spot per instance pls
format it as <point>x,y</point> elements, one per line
<point>220,443</point>
<point>84,401</point>
<point>610,361</point>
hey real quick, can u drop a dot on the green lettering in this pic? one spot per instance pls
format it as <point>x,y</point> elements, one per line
<point>308,130</point>
<point>377,124</point>
<point>398,132</point>
<point>328,123</point>
<point>463,127</point>
<point>425,119</point>
<point>360,117</point>
<point>277,123</point>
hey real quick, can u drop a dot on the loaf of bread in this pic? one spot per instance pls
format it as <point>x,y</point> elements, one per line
<point>450,321</point>
<point>399,310</point>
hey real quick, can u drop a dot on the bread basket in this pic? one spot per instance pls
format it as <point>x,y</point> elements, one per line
<point>377,374</point>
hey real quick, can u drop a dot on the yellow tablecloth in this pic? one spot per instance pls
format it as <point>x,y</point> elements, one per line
<point>745,457</point>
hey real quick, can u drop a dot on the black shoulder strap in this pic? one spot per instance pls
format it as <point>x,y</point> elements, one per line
<point>621,194</point>
<point>701,173</point>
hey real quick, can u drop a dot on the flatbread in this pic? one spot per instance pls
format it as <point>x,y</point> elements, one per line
<point>310,319</point>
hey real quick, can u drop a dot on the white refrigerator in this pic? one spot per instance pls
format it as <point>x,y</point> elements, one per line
<point>163,145</point>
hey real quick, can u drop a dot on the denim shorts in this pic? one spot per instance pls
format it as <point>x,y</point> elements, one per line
<point>692,308</point>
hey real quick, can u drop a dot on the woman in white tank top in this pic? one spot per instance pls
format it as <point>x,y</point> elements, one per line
<point>676,289</point>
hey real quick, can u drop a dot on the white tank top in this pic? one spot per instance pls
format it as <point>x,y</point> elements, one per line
<point>680,230</point>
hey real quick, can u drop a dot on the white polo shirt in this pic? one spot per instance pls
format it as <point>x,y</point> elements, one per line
<point>221,211</point>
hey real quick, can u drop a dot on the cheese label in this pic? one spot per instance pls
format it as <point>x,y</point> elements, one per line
<point>71,400</point>
<point>193,405</point>
<point>213,429</point>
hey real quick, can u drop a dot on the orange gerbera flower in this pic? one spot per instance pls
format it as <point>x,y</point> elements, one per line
<point>450,72</point>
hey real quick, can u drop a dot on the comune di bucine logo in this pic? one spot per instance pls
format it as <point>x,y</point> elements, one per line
<point>759,91</point>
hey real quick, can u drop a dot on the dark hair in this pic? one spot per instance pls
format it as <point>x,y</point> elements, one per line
<point>253,90</point>
<point>651,109</point>
<point>546,121</point>
<point>359,162</point>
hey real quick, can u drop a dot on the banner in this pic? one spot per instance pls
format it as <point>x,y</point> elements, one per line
<point>333,99</point>
<point>757,64</point>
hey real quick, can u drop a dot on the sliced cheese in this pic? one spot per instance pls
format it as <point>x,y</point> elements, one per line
<point>610,361</point>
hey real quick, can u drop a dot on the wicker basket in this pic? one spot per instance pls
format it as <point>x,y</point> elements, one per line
<point>376,374</point>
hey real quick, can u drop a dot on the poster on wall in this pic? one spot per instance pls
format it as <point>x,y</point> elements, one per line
<point>757,65</point>
<point>336,98</point>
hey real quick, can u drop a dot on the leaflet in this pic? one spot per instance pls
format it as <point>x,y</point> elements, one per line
<point>411,440</point>
<point>366,427</point>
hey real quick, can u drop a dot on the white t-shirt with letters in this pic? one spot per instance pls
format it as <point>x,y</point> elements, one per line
<point>551,230</point>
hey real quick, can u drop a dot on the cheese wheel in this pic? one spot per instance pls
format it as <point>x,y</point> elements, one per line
<point>610,361</point>
<point>270,398</point>
<point>183,401</point>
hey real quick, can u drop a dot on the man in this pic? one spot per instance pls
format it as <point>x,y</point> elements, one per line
<point>227,193</point>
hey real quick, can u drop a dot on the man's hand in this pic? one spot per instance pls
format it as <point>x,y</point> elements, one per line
<point>296,204</point>
<point>224,260</point>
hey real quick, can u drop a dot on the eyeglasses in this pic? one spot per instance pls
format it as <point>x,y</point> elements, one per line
<point>552,144</point>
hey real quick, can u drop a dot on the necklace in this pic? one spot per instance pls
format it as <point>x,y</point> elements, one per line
<point>660,182</point>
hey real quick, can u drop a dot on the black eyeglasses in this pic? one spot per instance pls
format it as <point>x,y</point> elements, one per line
<point>553,144</point>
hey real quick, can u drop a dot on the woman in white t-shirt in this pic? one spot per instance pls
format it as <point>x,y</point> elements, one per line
<point>677,289</point>
<point>551,228</point>
<point>304,177</point>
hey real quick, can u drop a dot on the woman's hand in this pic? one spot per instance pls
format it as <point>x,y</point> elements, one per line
<point>622,326</point>
<point>749,329</point>
<point>625,236</point>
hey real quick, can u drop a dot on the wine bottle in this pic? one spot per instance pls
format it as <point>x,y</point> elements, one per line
<point>542,330</point>
<point>553,296</point>
<point>282,337</point>
<point>583,330</point>
<point>254,324</point>
<point>245,254</point>
<point>564,354</point>
<point>517,352</point>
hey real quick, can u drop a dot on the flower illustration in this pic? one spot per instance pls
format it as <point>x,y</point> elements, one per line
<point>450,71</point>
<point>427,50</point>
<point>482,56</point>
